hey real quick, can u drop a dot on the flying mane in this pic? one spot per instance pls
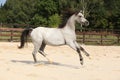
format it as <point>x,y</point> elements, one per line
<point>65,17</point>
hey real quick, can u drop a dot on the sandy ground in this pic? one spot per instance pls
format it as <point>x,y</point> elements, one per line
<point>17,64</point>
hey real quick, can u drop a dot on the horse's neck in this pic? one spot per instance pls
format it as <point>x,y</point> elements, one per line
<point>71,23</point>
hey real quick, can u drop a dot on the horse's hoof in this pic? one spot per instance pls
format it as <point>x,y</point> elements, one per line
<point>35,61</point>
<point>81,62</point>
<point>89,57</point>
<point>50,61</point>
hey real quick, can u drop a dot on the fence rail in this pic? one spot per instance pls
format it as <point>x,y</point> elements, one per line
<point>101,37</point>
<point>10,34</point>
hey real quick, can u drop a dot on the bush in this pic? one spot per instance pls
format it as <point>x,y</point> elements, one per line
<point>54,20</point>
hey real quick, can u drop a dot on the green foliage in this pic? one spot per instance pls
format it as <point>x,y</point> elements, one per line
<point>101,14</point>
<point>39,20</point>
<point>46,7</point>
<point>54,20</point>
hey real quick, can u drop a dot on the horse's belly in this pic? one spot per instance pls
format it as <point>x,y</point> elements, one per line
<point>55,40</point>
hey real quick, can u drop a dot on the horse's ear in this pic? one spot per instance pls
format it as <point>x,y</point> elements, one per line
<point>76,13</point>
<point>81,11</point>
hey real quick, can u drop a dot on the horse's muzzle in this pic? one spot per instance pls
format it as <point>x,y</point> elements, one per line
<point>86,23</point>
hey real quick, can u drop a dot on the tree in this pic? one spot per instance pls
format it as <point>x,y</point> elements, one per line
<point>19,11</point>
<point>101,14</point>
<point>54,20</point>
<point>45,8</point>
<point>39,20</point>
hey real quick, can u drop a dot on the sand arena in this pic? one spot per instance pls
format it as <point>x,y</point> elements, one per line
<point>17,64</point>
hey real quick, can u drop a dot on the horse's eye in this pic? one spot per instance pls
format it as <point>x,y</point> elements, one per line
<point>80,16</point>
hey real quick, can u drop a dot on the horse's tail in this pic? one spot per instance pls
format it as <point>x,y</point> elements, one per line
<point>24,37</point>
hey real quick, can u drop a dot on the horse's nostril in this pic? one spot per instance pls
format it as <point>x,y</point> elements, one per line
<point>86,23</point>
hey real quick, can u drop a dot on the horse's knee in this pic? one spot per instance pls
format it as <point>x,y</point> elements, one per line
<point>86,53</point>
<point>82,49</point>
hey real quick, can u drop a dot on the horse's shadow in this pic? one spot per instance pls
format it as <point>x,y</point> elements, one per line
<point>46,63</point>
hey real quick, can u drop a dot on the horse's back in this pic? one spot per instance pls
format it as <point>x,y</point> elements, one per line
<point>51,36</point>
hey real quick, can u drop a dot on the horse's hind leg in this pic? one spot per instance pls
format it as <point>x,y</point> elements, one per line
<point>41,49</point>
<point>36,48</point>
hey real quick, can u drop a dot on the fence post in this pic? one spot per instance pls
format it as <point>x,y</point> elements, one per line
<point>118,37</point>
<point>83,37</point>
<point>101,42</point>
<point>11,35</point>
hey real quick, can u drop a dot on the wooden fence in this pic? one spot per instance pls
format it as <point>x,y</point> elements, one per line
<point>100,37</point>
<point>10,34</point>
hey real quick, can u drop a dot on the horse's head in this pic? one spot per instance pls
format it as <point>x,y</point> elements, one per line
<point>81,19</point>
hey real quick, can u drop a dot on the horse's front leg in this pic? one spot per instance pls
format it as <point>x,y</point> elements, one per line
<point>84,51</point>
<point>80,56</point>
<point>74,46</point>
